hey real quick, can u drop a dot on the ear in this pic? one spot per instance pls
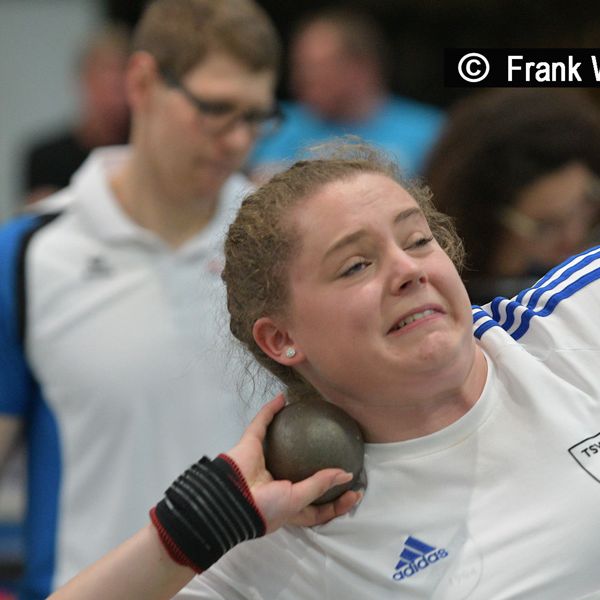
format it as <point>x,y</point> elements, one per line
<point>140,79</point>
<point>275,342</point>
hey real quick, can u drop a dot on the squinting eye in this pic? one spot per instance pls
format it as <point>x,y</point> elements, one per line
<point>355,268</point>
<point>421,242</point>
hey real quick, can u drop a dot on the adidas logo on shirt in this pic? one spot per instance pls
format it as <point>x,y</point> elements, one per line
<point>416,556</point>
<point>98,267</point>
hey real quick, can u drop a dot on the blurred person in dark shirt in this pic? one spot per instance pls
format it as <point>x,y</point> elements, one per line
<point>103,118</point>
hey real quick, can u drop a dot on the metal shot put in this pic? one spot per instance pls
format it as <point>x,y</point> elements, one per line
<point>310,435</point>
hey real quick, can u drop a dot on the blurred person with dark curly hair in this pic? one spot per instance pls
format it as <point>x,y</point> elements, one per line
<point>518,170</point>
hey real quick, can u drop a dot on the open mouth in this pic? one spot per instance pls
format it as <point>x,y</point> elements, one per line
<point>411,319</point>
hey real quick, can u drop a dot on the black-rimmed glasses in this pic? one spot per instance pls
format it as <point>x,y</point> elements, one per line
<point>220,116</point>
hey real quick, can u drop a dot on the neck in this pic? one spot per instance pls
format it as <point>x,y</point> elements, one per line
<point>150,204</point>
<point>430,408</point>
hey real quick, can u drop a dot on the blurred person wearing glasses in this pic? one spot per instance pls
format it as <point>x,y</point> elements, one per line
<point>519,171</point>
<point>111,342</point>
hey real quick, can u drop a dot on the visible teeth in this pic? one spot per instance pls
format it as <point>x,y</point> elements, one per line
<point>413,318</point>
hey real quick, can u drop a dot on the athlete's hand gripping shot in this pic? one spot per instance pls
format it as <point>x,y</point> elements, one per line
<point>213,506</point>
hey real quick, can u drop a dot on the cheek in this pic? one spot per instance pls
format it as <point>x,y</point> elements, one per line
<point>454,291</point>
<point>354,313</point>
<point>178,123</point>
<point>322,319</point>
<point>162,131</point>
<point>180,148</point>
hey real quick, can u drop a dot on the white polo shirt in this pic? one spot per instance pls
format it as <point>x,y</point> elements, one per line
<point>129,343</point>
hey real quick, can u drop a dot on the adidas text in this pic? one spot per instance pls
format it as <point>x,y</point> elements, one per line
<point>419,564</point>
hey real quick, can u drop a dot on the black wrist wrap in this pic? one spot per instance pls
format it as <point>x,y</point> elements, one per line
<point>208,510</point>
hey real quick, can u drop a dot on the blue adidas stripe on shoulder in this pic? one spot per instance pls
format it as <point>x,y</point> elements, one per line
<point>540,300</point>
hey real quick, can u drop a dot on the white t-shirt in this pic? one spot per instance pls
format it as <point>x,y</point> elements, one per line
<point>503,503</point>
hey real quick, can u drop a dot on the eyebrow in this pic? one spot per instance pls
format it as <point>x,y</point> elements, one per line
<point>355,236</point>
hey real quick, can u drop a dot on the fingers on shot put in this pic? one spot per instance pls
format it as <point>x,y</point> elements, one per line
<point>310,435</point>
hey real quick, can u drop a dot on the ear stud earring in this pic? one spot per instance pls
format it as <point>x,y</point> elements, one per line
<point>290,352</point>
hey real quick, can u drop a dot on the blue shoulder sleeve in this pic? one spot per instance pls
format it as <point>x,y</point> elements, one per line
<point>16,381</point>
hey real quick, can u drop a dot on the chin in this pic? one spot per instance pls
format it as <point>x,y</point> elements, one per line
<point>210,187</point>
<point>437,349</point>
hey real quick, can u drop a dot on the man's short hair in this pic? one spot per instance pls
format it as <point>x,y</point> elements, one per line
<point>180,34</point>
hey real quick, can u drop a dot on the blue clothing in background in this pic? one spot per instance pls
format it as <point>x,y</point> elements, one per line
<point>402,127</point>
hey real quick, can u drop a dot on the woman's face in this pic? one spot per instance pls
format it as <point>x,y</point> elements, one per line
<point>377,309</point>
<point>551,219</point>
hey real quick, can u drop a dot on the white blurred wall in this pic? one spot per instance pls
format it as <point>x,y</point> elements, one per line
<point>39,40</point>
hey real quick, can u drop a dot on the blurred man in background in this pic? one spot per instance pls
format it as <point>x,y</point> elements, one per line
<point>338,73</point>
<point>111,343</point>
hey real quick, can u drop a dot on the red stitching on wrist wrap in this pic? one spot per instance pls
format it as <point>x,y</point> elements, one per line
<point>243,486</point>
<point>170,546</point>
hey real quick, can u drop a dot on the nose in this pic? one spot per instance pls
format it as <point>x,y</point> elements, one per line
<point>238,138</point>
<point>404,271</point>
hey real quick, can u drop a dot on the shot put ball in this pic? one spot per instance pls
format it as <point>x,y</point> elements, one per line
<point>309,435</point>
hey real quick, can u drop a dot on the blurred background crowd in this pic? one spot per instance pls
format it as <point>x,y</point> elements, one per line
<point>58,79</point>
